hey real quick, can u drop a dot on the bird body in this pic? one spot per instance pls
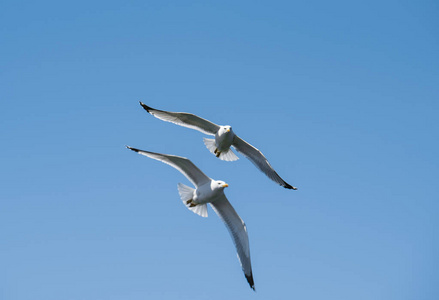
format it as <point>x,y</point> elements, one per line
<point>224,138</point>
<point>209,192</point>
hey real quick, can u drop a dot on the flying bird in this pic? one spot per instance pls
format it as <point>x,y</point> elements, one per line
<point>209,191</point>
<point>224,139</point>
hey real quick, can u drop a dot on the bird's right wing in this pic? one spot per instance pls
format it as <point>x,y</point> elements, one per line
<point>183,119</point>
<point>238,231</point>
<point>184,165</point>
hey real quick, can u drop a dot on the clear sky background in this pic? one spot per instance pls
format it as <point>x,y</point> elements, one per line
<point>341,96</point>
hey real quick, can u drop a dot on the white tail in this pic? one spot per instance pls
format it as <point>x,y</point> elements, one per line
<point>228,155</point>
<point>186,194</point>
<point>210,144</point>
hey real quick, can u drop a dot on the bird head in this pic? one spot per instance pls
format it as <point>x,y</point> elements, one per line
<point>219,184</point>
<point>226,129</point>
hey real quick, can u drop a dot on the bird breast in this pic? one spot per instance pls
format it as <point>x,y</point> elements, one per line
<point>224,140</point>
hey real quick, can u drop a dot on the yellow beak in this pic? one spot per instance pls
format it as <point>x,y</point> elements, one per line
<point>228,130</point>
<point>225,185</point>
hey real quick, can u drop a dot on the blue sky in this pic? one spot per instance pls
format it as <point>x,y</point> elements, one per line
<point>342,98</point>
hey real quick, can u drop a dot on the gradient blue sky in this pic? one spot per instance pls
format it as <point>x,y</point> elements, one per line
<point>341,96</point>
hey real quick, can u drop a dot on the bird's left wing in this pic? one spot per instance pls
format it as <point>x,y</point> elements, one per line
<point>259,160</point>
<point>184,165</point>
<point>238,231</point>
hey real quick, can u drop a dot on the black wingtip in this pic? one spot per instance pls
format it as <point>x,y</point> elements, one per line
<point>134,149</point>
<point>250,281</point>
<point>146,107</point>
<point>288,186</point>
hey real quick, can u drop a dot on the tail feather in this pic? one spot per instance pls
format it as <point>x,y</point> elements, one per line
<point>210,144</point>
<point>186,194</point>
<point>228,155</point>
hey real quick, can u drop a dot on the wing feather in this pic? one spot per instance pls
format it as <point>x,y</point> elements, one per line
<point>259,160</point>
<point>184,165</point>
<point>183,119</point>
<point>238,231</point>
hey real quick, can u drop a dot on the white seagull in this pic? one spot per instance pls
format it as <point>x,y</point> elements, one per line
<point>209,191</point>
<point>224,139</point>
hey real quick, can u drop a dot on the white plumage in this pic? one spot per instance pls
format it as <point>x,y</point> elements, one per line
<point>224,139</point>
<point>209,191</point>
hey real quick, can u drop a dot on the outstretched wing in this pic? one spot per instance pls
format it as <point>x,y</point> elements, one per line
<point>259,160</point>
<point>184,165</point>
<point>183,119</point>
<point>238,231</point>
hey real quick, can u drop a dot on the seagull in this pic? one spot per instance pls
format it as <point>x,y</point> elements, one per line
<point>209,191</point>
<point>224,139</point>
